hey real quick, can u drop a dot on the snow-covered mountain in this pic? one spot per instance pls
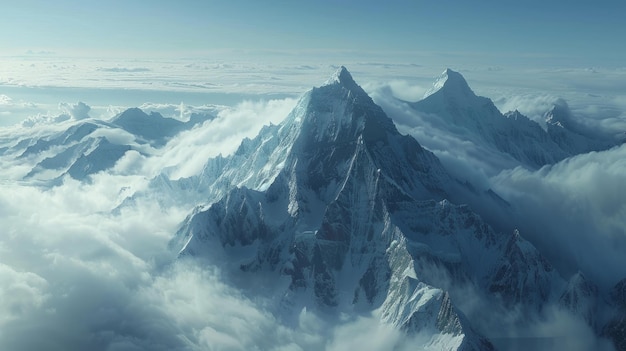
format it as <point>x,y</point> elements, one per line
<point>476,119</point>
<point>338,211</point>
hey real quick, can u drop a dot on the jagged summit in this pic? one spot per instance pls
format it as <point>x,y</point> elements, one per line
<point>450,83</point>
<point>339,111</point>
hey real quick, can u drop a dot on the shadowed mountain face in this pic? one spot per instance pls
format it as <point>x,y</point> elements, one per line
<point>340,213</point>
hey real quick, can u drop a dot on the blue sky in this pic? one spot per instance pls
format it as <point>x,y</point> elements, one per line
<point>580,33</point>
<point>506,49</point>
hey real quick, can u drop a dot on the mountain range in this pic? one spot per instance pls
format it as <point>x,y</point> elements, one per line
<point>334,210</point>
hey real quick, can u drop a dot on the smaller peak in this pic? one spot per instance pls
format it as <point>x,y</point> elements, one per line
<point>341,76</point>
<point>451,81</point>
<point>559,114</point>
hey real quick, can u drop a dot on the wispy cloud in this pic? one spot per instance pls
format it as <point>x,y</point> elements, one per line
<point>77,111</point>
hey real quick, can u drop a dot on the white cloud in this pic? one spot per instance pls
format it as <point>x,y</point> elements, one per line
<point>77,111</point>
<point>5,100</point>
<point>115,136</point>
<point>44,119</point>
<point>181,111</point>
<point>400,89</point>
<point>21,292</point>
<point>188,152</point>
<point>75,276</point>
<point>131,163</point>
<point>69,269</point>
<point>574,212</point>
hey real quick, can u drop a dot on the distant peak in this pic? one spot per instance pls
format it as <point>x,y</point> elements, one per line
<point>451,81</point>
<point>341,76</point>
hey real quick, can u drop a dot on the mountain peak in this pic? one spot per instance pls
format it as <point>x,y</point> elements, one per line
<point>343,78</point>
<point>451,82</point>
